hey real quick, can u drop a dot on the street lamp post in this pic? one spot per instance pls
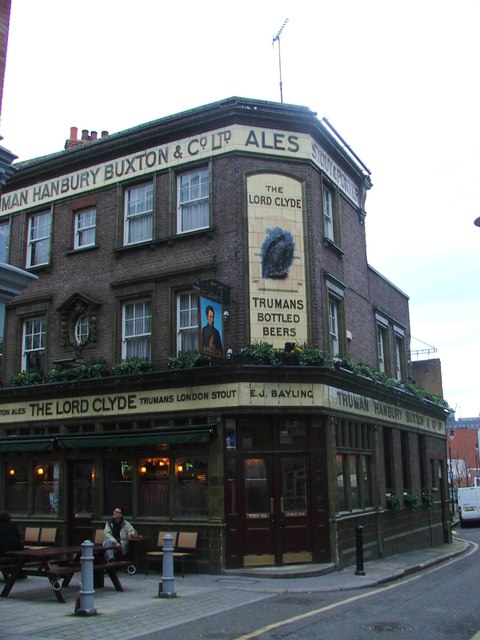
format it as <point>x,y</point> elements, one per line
<point>451,435</point>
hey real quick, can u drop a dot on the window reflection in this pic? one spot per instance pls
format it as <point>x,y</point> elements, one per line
<point>16,495</point>
<point>191,486</point>
<point>257,492</point>
<point>153,486</point>
<point>118,485</point>
<point>46,487</point>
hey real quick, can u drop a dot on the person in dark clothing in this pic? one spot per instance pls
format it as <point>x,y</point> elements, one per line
<point>10,539</point>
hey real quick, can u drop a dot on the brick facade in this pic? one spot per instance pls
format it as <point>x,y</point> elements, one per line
<point>330,420</point>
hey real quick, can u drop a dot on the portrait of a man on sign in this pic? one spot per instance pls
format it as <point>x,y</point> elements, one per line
<point>211,342</point>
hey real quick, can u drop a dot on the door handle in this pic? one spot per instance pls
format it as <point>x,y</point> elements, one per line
<point>281,504</point>
<point>271,505</point>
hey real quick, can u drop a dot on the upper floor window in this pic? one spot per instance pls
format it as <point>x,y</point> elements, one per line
<point>336,319</point>
<point>4,240</point>
<point>331,225</point>
<point>85,228</point>
<point>193,195</point>
<point>381,339</point>
<point>82,329</point>
<point>328,213</point>
<point>34,338</point>
<point>400,359</point>
<point>137,330</point>
<point>333,312</point>
<point>383,359</point>
<point>138,214</point>
<point>39,231</point>
<point>187,321</point>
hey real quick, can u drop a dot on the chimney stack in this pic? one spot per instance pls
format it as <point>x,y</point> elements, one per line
<point>87,136</point>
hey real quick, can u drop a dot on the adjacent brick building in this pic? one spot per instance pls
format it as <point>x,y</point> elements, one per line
<point>277,444</point>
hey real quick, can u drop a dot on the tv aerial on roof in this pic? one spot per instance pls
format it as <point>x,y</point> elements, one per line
<point>276,38</point>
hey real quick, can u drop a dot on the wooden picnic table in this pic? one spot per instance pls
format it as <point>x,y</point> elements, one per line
<point>58,564</point>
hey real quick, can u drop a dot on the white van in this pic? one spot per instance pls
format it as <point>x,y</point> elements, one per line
<point>468,504</point>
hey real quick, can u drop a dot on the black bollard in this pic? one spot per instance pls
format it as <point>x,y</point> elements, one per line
<point>359,541</point>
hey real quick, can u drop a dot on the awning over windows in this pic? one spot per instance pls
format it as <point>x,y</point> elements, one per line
<point>197,434</point>
<point>24,444</point>
<point>175,436</point>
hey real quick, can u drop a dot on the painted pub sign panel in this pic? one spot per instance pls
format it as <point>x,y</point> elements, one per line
<point>276,246</point>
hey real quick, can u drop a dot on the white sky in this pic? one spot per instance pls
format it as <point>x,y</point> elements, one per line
<point>398,80</point>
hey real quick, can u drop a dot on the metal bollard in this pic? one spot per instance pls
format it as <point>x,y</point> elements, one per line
<point>166,588</point>
<point>87,592</point>
<point>359,541</point>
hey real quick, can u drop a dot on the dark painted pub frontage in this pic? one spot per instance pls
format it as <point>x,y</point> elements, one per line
<point>269,468</point>
<point>206,346</point>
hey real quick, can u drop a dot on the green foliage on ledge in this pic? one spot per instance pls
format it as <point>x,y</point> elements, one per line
<point>131,366</point>
<point>256,353</point>
<point>365,370</point>
<point>187,360</point>
<point>260,353</point>
<point>26,378</point>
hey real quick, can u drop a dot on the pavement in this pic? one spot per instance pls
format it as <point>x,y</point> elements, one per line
<point>32,611</point>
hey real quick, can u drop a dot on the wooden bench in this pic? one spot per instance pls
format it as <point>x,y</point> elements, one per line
<point>100,568</point>
<point>55,574</point>
<point>6,566</point>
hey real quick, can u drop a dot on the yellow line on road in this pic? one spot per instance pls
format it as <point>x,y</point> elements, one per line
<point>309,614</point>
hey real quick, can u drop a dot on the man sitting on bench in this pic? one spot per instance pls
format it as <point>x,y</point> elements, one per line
<point>117,533</point>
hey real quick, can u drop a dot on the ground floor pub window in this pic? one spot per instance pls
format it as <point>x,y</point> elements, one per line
<point>46,487</point>
<point>153,486</point>
<point>118,485</point>
<point>191,487</point>
<point>16,495</point>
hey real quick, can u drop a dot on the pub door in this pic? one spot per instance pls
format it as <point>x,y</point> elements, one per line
<point>276,510</point>
<point>80,509</point>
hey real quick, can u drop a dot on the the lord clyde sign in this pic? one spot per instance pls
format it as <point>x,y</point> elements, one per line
<point>234,395</point>
<point>204,146</point>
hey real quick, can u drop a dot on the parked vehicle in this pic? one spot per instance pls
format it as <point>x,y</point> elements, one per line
<point>469,505</point>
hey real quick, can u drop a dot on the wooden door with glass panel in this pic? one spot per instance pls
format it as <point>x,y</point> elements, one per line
<point>276,510</point>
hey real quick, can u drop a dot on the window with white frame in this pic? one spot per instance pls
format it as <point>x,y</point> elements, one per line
<point>336,320</point>
<point>382,343</point>
<point>82,329</point>
<point>136,330</point>
<point>34,339</point>
<point>187,321</point>
<point>85,228</point>
<point>381,339</point>
<point>193,197</point>
<point>328,213</point>
<point>333,326</point>
<point>400,364</point>
<point>4,240</point>
<point>138,214</point>
<point>38,239</point>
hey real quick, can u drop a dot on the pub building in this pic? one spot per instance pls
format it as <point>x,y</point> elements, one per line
<point>190,348</point>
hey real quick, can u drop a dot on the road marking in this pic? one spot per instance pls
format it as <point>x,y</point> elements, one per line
<point>309,614</point>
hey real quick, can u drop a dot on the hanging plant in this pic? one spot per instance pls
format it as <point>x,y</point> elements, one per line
<point>427,498</point>
<point>410,499</point>
<point>393,502</point>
